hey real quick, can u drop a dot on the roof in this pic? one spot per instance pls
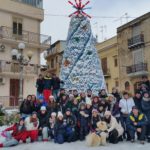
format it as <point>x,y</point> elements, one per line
<point>133,22</point>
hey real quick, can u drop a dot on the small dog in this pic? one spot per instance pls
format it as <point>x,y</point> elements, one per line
<point>99,137</point>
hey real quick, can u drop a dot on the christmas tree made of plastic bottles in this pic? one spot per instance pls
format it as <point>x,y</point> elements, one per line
<point>81,67</point>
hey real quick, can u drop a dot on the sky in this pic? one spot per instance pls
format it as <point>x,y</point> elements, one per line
<point>106,16</point>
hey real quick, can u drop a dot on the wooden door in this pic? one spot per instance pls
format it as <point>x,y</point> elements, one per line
<point>104,65</point>
<point>14,92</point>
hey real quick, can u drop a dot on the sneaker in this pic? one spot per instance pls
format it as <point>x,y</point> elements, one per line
<point>142,142</point>
<point>132,141</point>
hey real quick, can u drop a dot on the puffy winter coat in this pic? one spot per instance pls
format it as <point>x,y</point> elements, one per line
<point>146,108</point>
<point>70,120</point>
<point>31,124</point>
<point>83,118</point>
<point>40,85</point>
<point>126,105</point>
<point>140,120</point>
<point>26,107</point>
<point>115,125</point>
<point>43,119</point>
<point>59,128</point>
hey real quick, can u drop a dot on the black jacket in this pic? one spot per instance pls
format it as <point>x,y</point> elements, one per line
<point>43,118</point>
<point>26,107</point>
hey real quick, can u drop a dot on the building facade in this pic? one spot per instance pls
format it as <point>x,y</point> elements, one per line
<point>108,54</point>
<point>54,57</point>
<point>20,22</point>
<point>133,46</point>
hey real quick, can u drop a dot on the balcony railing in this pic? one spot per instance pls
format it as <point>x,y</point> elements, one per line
<point>34,3</point>
<point>136,41</point>
<point>12,67</point>
<point>26,36</point>
<point>142,67</point>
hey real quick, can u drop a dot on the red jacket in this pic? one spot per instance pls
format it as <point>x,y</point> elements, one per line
<point>18,134</point>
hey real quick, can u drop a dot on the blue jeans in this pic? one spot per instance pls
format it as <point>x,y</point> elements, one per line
<point>10,141</point>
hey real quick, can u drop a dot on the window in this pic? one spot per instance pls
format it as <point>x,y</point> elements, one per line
<point>115,61</point>
<point>127,86</point>
<point>17,26</point>
<point>104,65</point>
<point>138,56</point>
<point>52,63</point>
<point>136,30</point>
<point>116,83</point>
<point>56,59</point>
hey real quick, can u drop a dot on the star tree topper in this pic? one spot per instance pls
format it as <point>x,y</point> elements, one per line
<point>80,7</point>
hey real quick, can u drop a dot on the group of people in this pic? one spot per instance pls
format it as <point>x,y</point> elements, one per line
<point>58,115</point>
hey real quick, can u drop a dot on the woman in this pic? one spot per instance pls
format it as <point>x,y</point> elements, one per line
<point>26,107</point>
<point>50,124</point>
<point>146,110</point>
<point>31,124</point>
<point>51,105</point>
<point>126,104</point>
<point>59,129</point>
<point>95,118</point>
<point>115,129</point>
<point>18,134</point>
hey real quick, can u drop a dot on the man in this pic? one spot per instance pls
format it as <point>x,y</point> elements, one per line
<point>146,82</point>
<point>56,85</point>
<point>70,122</point>
<point>136,123</point>
<point>39,85</point>
<point>47,88</point>
<point>125,105</point>
<point>43,128</point>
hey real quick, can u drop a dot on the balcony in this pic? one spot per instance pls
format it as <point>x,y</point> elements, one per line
<point>137,70</point>
<point>13,68</point>
<point>106,73</point>
<point>136,41</point>
<point>6,33</point>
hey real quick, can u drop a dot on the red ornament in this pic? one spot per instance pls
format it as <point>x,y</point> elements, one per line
<point>79,7</point>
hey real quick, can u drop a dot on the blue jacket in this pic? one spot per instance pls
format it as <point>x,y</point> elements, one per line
<point>140,120</point>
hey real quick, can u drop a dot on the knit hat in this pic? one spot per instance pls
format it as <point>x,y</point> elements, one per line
<point>68,109</point>
<point>53,114</point>
<point>43,108</point>
<point>134,107</point>
<point>94,110</point>
<point>41,97</point>
<point>34,112</point>
<point>88,101</point>
<point>59,114</point>
<point>107,113</point>
<point>110,95</point>
<point>51,96</point>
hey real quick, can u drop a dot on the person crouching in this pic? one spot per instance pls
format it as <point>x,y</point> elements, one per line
<point>70,122</point>
<point>136,123</point>
<point>43,128</point>
<point>31,124</point>
<point>115,129</point>
<point>59,129</point>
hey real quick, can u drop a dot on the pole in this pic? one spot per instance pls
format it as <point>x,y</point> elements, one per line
<point>21,79</point>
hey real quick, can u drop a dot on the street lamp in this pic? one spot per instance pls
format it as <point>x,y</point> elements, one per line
<point>17,55</point>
